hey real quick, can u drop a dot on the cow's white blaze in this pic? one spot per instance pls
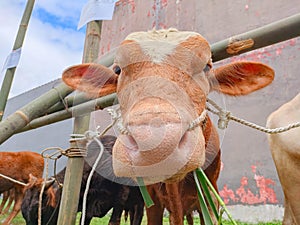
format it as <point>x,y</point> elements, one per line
<point>157,44</point>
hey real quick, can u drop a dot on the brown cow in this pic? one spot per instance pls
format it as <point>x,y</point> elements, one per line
<point>285,149</point>
<point>162,79</point>
<point>18,165</point>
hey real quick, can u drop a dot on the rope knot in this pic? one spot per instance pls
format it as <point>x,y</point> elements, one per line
<point>224,117</point>
<point>114,113</point>
<point>90,135</point>
<point>117,118</point>
<point>77,146</point>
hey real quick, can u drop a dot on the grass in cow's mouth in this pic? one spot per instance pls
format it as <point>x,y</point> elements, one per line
<point>104,221</point>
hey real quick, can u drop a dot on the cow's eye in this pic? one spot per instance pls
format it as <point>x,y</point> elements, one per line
<point>207,68</point>
<point>117,70</point>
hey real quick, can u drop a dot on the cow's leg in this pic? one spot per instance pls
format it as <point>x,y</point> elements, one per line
<point>155,212</point>
<point>4,200</point>
<point>115,218</point>
<point>288,215</point>
<point>288,169</point>
<point>176,207</point>
<point>189,218</point>
<point>17,207</point>
<point>11,196</point>
<point>137,217</point>
<point>123,194</point>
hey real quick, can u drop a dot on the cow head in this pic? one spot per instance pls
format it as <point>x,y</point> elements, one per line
<point>162,79</point>
<point>34,186</point>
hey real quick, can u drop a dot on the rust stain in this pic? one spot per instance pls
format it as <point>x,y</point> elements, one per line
<point>108,46</point>
<point>164,3</point>
<point>127,2</point>
<point>266,54</point>
<point>253,168</point>
<point>278,51</point>
<point>153,24</point>
<point>244,194</point>
<point>235,46</point>
<point>162,25</point>
<point>292,42</point>
<point>266,194</point>
<point>102,51</point>
<point>227,195</point>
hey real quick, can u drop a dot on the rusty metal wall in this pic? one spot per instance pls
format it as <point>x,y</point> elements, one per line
<point>248,176</point>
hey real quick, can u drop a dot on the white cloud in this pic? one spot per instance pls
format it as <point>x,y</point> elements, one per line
<point>48,48</point>
<point>63,9</point>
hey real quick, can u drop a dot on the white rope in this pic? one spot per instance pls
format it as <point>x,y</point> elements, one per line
<point>13,180</point>
<point>90,135</point>
<point>95,138</point>
<point>198,120</point>
<point>42,191</point>
<point>225,117</point>
<point>116,116</point>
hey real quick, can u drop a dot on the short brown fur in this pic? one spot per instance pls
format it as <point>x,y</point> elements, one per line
<point>18,165</point>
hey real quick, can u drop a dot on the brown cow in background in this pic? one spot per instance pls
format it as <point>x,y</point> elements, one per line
<point>285,149</point>
<point>18,165</point>
<point>162,79</point>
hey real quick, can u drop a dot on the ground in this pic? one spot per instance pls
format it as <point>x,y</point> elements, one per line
<point>104,221</point>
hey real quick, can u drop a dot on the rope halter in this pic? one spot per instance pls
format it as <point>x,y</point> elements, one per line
<point>116,116</point>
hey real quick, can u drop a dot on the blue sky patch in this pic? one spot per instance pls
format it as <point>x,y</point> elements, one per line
<point>55,21</point>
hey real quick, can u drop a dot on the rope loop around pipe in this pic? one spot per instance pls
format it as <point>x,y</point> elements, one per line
<point>226,116</point>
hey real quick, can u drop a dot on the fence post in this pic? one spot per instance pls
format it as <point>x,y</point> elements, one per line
<point>73,175</point>
<point>10,72</point>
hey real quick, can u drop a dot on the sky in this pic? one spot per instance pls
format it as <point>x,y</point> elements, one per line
<point>52,42</point>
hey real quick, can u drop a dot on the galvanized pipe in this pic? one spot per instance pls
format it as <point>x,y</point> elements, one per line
<point>278,31</point>
<point>32,110</point>
<point>77,110</point>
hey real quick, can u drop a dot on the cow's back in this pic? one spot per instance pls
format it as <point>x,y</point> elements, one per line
<point>18,165</point>
<point>285,115</point>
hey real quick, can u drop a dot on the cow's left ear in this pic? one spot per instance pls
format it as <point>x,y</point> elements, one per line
<point>241,78</point>
<point>94,79</point>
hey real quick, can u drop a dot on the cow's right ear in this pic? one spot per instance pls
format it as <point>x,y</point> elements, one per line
<point>94,79</point>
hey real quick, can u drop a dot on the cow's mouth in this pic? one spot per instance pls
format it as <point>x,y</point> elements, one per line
<point>166,158</point>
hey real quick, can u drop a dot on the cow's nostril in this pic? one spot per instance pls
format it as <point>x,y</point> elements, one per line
<point>183,140</point>
<point>129,142</point>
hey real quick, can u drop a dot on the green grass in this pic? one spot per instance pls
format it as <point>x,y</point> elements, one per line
<point>18,220</point>
<point>104,221</point>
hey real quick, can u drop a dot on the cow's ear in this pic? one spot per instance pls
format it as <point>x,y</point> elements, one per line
<point>49,183</point>
<point>94,79</point>
<point>241,78</point>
